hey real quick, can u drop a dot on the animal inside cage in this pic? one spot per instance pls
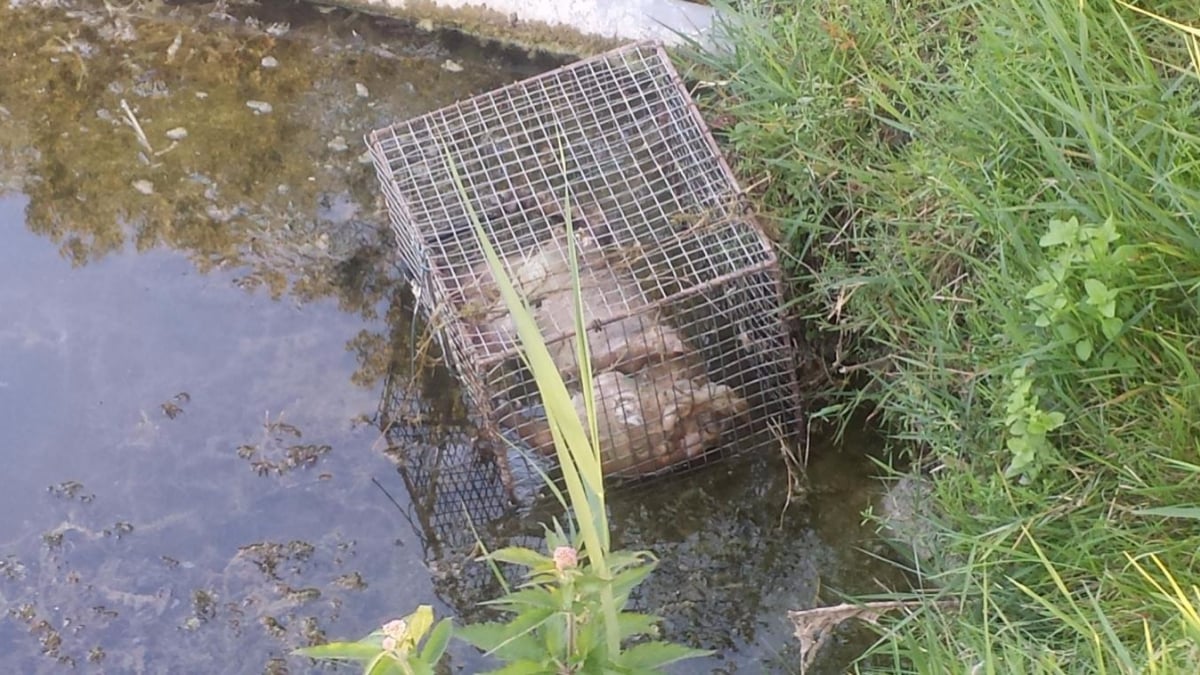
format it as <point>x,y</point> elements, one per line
<point>681,299</point>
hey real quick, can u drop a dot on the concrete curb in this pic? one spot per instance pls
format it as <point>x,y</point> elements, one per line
<point>564,26</point>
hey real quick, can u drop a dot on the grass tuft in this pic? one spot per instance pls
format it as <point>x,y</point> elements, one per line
<point>992,211</point>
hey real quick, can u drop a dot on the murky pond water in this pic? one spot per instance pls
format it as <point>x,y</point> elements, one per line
<point>203,344</point>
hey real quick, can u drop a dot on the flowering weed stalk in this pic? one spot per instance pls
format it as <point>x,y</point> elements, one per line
<point>395,648</point>
<point>568,617</point>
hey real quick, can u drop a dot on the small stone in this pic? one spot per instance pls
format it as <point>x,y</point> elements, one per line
<point>177,134</point>
<point>201,95</point>
<point>365,158</point>
<point>362,90</point>
<point>338,144</point>
<point>270,62</point>
<point>260,107</point>
<point>425,25</point>
<point>144,186</point>
<point>451,66</point>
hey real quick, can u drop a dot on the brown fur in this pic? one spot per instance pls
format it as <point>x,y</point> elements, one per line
<point>544,280</point>
<point>652,420</point>
<point>655,407</point>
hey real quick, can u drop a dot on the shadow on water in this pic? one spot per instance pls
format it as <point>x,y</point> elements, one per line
<point>215,447</point>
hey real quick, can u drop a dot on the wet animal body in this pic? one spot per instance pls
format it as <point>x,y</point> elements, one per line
<point>655,407</point>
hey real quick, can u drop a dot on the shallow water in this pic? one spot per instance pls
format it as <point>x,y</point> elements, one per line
<point>205,357</point>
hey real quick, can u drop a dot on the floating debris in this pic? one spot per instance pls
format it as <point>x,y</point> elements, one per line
<point>338,144</point>
<point>362,90</point>
<point>260,107</point>
<point>175,44</point>
<point>177,134</point>
<point>270,62</point>
<point>143,186</point>
<point>452,66</point>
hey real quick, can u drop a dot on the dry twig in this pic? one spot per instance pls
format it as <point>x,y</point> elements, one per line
<point>815,626</point>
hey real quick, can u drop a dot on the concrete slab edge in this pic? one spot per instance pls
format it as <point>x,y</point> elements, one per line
<point>569,27</point>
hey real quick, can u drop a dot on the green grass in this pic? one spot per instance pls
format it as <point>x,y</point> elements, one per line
<point>992,209</point>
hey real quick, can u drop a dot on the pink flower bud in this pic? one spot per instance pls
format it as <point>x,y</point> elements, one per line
<point>565,557</point>
<point>395,629</point>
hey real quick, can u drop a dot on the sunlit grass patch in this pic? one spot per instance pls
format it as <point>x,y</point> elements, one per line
<point>993,211</point>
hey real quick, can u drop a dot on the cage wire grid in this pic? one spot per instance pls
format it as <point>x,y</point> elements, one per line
<point>457,502</point>
<point>681,288</point>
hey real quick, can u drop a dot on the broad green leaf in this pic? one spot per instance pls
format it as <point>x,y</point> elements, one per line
<point>618,559</point>
<point>517,555</point>
<point>1068,332</point>
<point>524,648</point>
<point>1041,290</point>
<point>1059,268</point>
<point>485,636</point>
<point>1097,291</point>
<point>1060,232</point>
<point>525,667</point>
<point>589,640</point>
<point>554,636</point>
<point>1017,444</point>
<point>493,637</point>
<point>1018,427</point>
<point>1125,254</point>
<point>634,623</point>
<point>1111,327</point>
<point>658,654</point>
<point>1106,233</point>
<point>1189,512</point>
<point>628,579</point>
<point>438,640</point>
<point>384,665</point>
<point>354,651</point>
<point>419,622</point>
<point>546,598</point>
<point>1039,423</point>
<point>1083,350</point>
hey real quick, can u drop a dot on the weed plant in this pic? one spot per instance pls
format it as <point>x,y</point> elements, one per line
<point>992,212</point>
<point>569,615</point>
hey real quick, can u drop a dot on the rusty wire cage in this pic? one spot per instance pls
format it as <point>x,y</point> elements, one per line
<point>681,295</point>
<point>458,505</point>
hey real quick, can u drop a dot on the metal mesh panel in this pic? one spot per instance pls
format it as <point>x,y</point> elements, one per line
<point>681,295</point>
<point>457,504</point>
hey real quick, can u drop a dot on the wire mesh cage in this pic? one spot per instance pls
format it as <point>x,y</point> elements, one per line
<point>458,505</point>
<point>681,298</point>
